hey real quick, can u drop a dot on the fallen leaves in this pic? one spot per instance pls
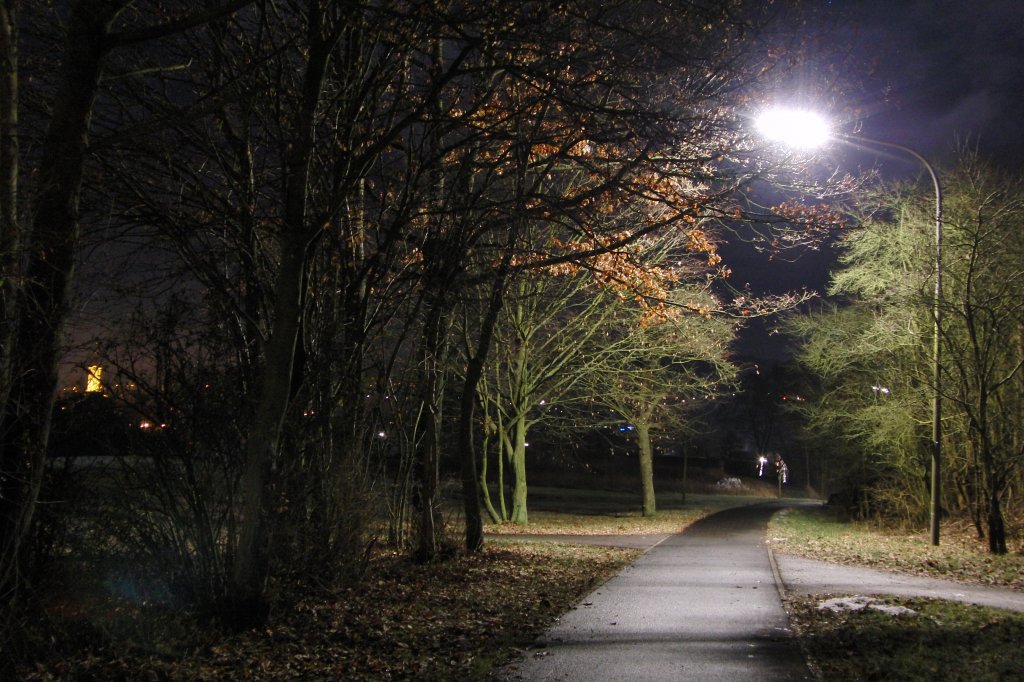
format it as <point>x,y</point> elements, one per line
<point>448,620</point>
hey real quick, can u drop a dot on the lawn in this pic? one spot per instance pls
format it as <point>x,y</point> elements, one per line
<point>936,640</point>
<point>561,511</point>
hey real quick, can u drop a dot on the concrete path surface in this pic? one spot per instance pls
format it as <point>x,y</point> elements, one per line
<point>808,576</point>
<point>701,605</point>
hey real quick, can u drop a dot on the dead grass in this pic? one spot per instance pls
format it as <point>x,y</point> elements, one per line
<point>940,640</point>
<point>820,534</point>
<point>575,512</point>
<point>556,523</point>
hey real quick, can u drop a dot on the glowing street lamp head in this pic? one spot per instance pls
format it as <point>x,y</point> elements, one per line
<point>796,128</point>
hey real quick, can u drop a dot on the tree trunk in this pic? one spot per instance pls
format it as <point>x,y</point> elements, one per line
<point>10,227</point>
<point>34,325</point>
<point>485,492</point>
<point>471,505</point>
<point>519,513</point>
<point>502,502</point>
<point>428,437</point>
<point>996,525</point>
<point>643,437</point>
<point>248,607</point>
<point>474,372</point>
<point>251,563</point>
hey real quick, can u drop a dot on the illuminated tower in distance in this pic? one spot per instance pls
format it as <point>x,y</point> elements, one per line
<point>93,377</point>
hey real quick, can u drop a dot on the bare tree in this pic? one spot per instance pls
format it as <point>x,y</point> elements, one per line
<point>41,231</point>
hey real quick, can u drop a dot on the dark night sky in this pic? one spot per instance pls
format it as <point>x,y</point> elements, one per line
<point>944,70</point>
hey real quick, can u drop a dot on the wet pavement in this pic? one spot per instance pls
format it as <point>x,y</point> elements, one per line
<point>701,605</point>
<point>706,604</point>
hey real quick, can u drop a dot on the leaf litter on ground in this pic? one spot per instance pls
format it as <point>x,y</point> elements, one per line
<point>448,620</point>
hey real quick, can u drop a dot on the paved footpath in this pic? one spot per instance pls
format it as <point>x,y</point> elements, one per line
<point>701,605</point>
<point>808,576</point>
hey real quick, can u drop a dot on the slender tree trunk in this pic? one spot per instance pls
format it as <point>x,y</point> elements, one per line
<point>474,371</point>
<point>490,428</point>
<point>992,480</point>
<point>10,227</point>
<point>429,434</point>
<point>643,437</point>
<point>251,563</point>
<point>502,501</point>
<point>519,513</point>
<point>996,525</point>
<point>485,492</point>
<point>440,266</point>
<point>34,326</point>
<point>471,505</point>
<point>248,606</point>
<point>994,508</point>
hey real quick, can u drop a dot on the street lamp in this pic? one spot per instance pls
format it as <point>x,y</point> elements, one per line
<point>804,129</point>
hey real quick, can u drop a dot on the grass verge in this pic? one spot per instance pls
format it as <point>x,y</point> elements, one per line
<point>614,513</point>
<point>940,640</point>
<point>818,533</point>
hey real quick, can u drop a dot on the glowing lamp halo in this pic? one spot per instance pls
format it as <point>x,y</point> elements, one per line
<point>796,128</point>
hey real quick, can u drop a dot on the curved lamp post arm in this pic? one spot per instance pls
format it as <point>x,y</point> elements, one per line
<point>806,129</point>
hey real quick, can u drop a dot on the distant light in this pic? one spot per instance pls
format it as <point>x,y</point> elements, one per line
<point>797,128</point>
<point>93,379</point>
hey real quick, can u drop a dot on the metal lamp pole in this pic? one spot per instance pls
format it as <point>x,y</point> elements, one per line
<point>935,508</point>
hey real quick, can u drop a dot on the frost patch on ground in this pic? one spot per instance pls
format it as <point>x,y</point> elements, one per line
<point>842,604</point>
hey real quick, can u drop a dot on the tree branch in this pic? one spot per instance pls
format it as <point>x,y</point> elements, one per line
<point>146,33</point>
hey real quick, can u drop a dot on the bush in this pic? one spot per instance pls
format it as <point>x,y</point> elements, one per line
<point>730,484</point>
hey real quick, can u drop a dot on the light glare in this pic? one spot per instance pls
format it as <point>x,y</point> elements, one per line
<point>794,128</point>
